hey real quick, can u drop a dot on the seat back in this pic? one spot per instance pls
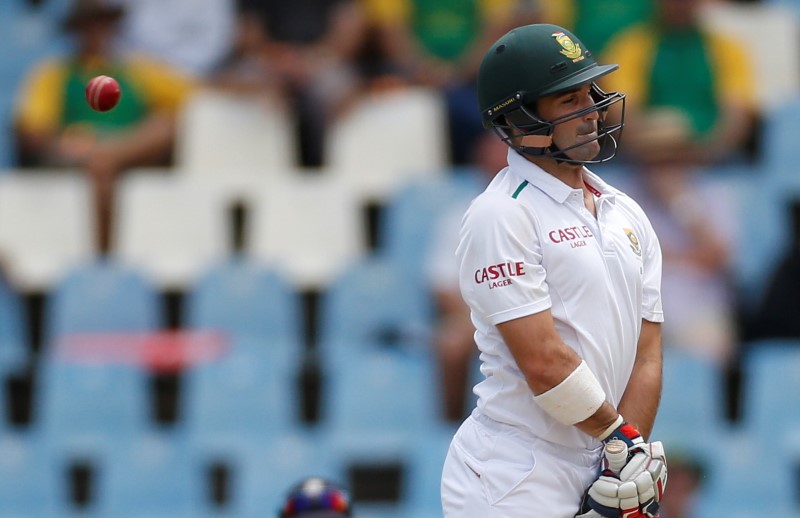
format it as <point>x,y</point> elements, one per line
<point>780,123</point>
<point>413,216</point>
<point>230,141</point>
<point>309,229</point>
<point>693,394</point>
<point>91,404</point>
<point>389,139</point>
<point>169,229</point>
<point>155,475</point>
<point>248,392</point>
<point>14,352</point>
<point>247,301</point>
<point>33,482</point>
<point>373,306</point>
<point>771,394</point>
<point>101,296</point>
<point>46,226</point>
<point>374,395</point>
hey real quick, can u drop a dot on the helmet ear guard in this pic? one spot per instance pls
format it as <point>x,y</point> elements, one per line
<point>515,120</point>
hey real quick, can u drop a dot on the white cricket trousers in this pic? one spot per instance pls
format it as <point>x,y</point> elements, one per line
<point>494,470</point>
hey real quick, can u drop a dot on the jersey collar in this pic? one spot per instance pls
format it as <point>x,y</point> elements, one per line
<point>552,186</point>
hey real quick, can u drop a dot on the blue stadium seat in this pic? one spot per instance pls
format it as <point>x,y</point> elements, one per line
<point>14,352</point>
<point>7,146</point>
<point>693,398</point>
<point>781,126</point>
<point>765,233</point>
<point>101,296</point>
<point>90,405</point>
<point>746,477</point>
<point>424,481</point>
<point>33,480</point>
<point>377,406</point>
<point>248,302</point>
<point>155,475</point>
<point>408,222</point>
<point>371,306</point>
<point>247,393</point>
<point>771,394</point>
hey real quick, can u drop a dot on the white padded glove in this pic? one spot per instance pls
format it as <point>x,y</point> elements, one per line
<point>635,491</point>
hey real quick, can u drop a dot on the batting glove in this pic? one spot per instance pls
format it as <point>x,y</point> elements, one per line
<point>642,457</point>
<point>635,489</point>
<point>626,433</point>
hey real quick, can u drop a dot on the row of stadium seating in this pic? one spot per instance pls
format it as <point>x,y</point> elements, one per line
<point>239,410</point>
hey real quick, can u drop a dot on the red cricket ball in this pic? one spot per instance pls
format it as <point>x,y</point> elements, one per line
<point>102,93</point>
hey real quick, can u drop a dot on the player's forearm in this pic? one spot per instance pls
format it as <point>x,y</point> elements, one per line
<point>639,403</point>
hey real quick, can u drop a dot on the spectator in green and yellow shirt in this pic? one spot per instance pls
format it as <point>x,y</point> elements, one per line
<point>55,127</point>
<point>690,90</point>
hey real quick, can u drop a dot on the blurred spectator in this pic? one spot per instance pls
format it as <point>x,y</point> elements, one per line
<point>597,21</point>
<point>56,127</point>
<point>312,46</point>
<point>191,35</point>
<point>687,476</point>
<point>246,69</point>
<point>439,43</point>
<point>690,91</point>
<point>453,336</point>
<point>690,103</point>
<point>696,226</point>
<point>316,497</point>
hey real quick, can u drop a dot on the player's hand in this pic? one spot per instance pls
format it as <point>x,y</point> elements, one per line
<point>642,457</point>
<point>630,489</point>
<point>647,468</point>
<point>610,497</point>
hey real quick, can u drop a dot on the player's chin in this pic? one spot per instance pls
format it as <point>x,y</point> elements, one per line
<point>584,152</point>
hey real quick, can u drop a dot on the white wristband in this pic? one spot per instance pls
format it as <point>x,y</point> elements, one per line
<point>575,399</point>
<point>613,426</point>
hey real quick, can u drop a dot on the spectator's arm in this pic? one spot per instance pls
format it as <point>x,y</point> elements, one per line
<point>38,111</point>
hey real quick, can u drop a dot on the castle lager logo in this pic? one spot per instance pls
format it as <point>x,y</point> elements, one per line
<point>499,275</point>
<point>569,48</point>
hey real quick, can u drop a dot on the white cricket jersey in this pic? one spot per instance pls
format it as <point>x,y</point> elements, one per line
<point>528,244</point>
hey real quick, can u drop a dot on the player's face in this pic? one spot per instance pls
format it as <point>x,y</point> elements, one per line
<point>573,132</point>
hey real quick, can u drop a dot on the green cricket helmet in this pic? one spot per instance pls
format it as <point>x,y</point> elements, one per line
<point>534,61</point>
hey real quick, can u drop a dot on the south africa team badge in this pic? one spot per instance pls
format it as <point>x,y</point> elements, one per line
<point>637,249</point>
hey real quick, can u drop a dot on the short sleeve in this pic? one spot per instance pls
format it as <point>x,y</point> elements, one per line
<point>40,102</point>
<point>734,72</point>
<point>164,87</point>
<point>500,260</point>
<point>632,50</point>
<point>651,278</point>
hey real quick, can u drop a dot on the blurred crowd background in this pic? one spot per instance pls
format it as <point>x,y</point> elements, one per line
<point>243,274</point>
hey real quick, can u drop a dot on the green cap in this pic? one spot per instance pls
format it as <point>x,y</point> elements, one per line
<point>533,61</point>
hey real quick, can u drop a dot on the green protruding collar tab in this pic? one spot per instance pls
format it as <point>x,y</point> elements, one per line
<point>519,189</point>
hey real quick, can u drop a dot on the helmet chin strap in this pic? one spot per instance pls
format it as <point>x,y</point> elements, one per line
<point>549,151</point>
<point>608,148</point>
